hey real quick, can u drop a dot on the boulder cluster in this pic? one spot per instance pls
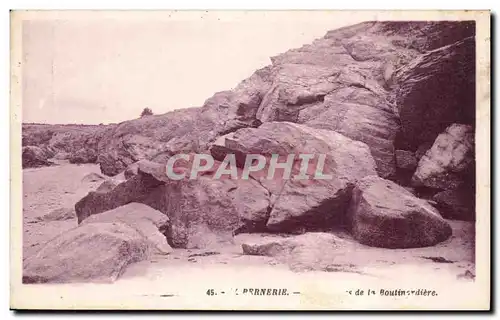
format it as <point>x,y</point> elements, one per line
<point>390,104</point>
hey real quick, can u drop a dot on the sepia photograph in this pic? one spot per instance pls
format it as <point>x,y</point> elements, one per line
<point>250,160</point>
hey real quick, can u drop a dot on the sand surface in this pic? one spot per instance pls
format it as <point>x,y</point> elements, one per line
<point>181,279</point>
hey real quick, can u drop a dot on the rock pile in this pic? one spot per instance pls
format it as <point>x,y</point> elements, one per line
<point>389,104</point>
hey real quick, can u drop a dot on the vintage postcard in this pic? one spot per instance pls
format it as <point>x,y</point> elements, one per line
<point>250,160</point>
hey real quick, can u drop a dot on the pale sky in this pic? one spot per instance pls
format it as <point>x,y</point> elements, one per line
<point>107,69</point>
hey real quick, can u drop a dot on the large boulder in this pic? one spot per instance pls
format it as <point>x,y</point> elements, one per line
<point>310,203</point>
<point>383,214</point>
<point>205,212</point>
<point>150,223</point>
<point>450,161</point>
<point>101,247</point>
<point>95,252</point>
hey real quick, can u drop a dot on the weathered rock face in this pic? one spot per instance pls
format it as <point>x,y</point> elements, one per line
<point>436,90</point>
<point>458,203</point>
<point>205,211</point>
<point>386,215</point>
<point>96,252</point>
<point>310,203</point>
<point>33,157</point>
<point>450,161</point>
<point>150,223</point>
<point>238,108</point>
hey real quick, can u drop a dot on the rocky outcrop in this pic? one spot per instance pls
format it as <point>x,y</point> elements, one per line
<point>369,97</point>
<point>33,157</point>
<point>385,83</point>
<point>368,82</point>
<point>450,161</point>
<point>310,203</point>
<point>75,142</point>
<point>386,215</point>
